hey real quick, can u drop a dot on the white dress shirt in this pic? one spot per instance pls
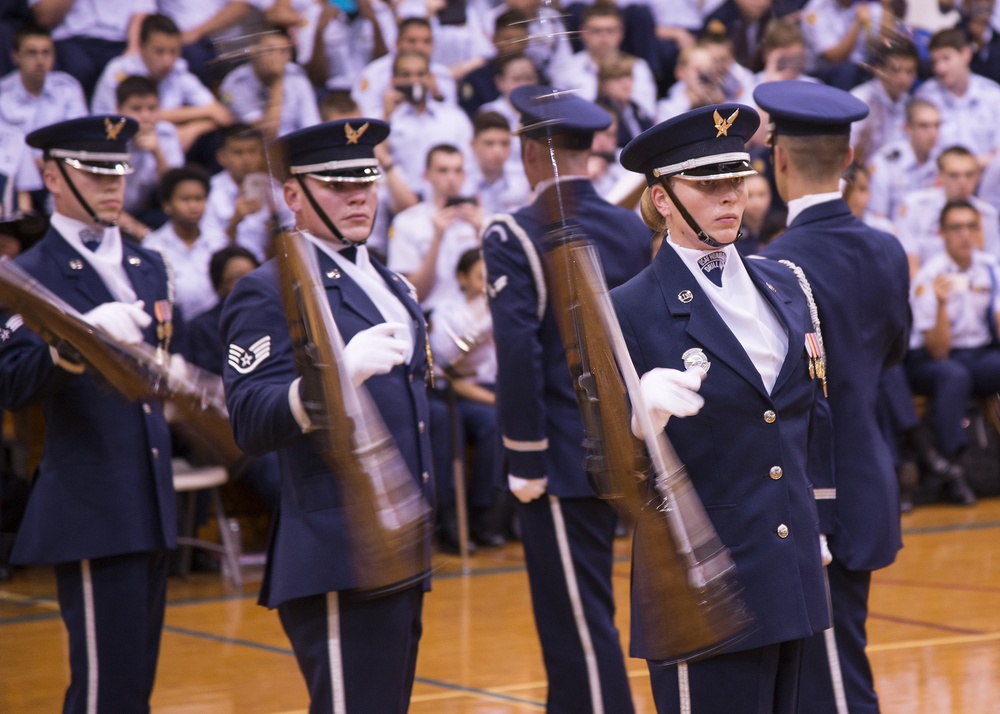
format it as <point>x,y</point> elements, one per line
<point>746,312</point>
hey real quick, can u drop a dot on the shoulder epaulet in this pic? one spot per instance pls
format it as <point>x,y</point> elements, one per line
<point>496,224</point>
<point>169,268</point>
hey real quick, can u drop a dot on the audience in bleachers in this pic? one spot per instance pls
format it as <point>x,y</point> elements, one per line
<point>184,100</point>
<point>188,69</point>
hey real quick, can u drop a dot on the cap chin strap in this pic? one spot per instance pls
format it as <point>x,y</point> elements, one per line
<point>689,219</point>
<point>322,214</point>
<point>79,197</point>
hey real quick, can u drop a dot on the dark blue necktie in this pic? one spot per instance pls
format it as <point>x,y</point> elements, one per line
<point>712,265</point>
<point>91,238</point>
<point>349,253</point>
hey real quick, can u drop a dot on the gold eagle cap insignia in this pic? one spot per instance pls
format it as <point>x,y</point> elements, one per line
<point>113,130</point>
<point>352,135</point>
<point>723,125</point>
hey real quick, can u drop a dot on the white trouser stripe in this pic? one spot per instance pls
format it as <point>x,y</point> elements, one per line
<point>334,653</point>
<point>90,628</point>
<point>684,687</point>
<point>593,675</point>
<point>833,655</point>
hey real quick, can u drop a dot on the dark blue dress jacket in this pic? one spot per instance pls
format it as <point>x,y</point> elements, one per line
<point>732,446</point>
<point>308,553</point>
<point>538,414</point>
<point>104,485</point>
<point>860,280</point>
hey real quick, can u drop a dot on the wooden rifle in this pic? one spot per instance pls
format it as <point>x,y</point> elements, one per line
<point>388,519</point>
<point>139,372</point>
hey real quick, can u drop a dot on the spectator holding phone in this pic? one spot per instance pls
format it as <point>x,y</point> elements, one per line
<point>241,201</point>
<point>372,88</point>
<point>426,241</point>
<point>698,84</point>
<point>341,37</point>
<point>418,120</point>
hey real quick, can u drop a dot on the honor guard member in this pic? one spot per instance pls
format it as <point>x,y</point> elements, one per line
<point>357,652</point>
<point>749,423</point>
<point>860,281</point>
<point>567,531</point>
<point>101,508</point>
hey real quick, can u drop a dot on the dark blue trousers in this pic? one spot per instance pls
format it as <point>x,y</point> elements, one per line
<point>849,594</point>
<point>375,640</point>
<point>951,382</point>
<point>85,58</point>
<point>113,611</point>
<point>568,550</point>
<point>763,680</point>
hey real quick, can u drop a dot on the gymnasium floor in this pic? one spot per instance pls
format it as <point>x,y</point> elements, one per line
<point>934,634</point>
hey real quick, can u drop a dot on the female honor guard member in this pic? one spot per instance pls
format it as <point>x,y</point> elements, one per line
<point>357,653</point>
<point>745,438</point>
<point>102,505</point>
<point>568,532</point>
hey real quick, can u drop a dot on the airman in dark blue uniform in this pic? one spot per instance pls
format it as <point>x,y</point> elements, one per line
<point>859,277</point>
<point>101,508</point>
<point>752,437</point>
<point>567,531</point>
<point>356,651</point>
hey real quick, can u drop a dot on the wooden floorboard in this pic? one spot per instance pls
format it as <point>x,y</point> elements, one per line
<point>934,635</point>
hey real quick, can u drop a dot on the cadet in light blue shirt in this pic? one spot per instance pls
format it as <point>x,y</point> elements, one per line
<point>34,95</point>
<point>271,92</point>
<point>907,164</point>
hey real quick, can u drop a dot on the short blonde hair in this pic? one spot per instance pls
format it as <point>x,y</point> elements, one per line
<point>650,215</point>
<point>615,66</point>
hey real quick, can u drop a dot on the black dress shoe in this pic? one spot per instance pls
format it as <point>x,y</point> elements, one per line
<point>957,489</point>
<point>489,540</point>
<point>449,544</point>
<point>908,476</point>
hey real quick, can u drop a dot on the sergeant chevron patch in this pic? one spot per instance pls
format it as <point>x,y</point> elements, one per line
<point>245,361</point>
<point>10,327</point>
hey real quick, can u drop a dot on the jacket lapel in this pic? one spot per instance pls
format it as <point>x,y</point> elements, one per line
<point>782,306</point>
<point>349,294</point>
<point>79,274</point>
<point>684,297</point>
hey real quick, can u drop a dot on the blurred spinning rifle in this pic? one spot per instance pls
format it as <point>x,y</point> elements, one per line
<point>683,580</point>
<point>388,519</point>
<point>139,372</point>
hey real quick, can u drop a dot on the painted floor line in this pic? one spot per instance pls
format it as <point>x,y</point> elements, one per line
<point>902,582</point>
<point>458,688</point>
<point>934,642</point>
<point>924,623</point>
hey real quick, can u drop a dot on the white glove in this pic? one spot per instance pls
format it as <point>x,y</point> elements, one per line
<point>376,351</point>
<point>669,392</point>
<point>527,490</point>
<point>824,550</point>
<point>177,372</point>
<point>122,321</point>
